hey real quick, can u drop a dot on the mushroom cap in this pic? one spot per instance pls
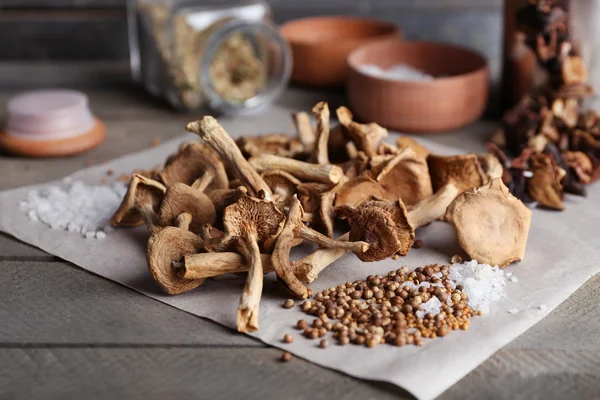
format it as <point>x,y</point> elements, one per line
<point>142,191</point>
<point>282,184</point>
<point>365,136</point>
<point>190,162</point>
<point>406,176</point>
<point>491,166</point>
<point>406,141</point>
<point>276,144</point>
<point>358,190</point>
<point>375,226</point>
<point>462,170</point>
<point>309,194</point>
<point>250,216</point>
<point>544,186</point>
<point>168,245</point>
<point>492,225</point>
<point>405,231</point>
<point>180,198</point>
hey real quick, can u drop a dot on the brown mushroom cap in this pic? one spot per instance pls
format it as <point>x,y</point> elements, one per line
<point>190,163</point>
<point>180,198</point>
<point>142,194</point>
<point>406,141</point>
<point>492,225</point>
<point>164,247</point>
<point>358,190</point>
<point>282,184</point>
<point>491,166</point>
<point>463,170</point>
<point>406,176</point>
<point>365,136</point>
<point>276,144</point>
<point>544,186</point>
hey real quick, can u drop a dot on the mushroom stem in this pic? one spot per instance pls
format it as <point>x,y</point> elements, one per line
<point>184,220</point>
<point>206,179</point>
<point>433,207</point>
<point>306,132</point>
<point>307,269</point>
<point>213,133</point>
<point>324,173</point>
<point>210,265</point>
<point>323,241</point>
<point>221,198</point>
<point>321,113</point>
<point>247,313</point>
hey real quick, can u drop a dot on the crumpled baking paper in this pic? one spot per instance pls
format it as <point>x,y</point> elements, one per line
<point>562,253</point>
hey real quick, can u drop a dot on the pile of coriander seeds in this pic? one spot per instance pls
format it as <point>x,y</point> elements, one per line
<point>400,308</point>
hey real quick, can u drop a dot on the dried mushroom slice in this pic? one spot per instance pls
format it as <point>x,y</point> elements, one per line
<point>462,170</point>
<point>406,176</point>
<point>213,133</point>
<point>191,162</point>
<point>169,246</point>
<point>406,141</point>
<point>180,198</point>
<point>358,190</point>
<point>544,186</point>
<point>250,224</point>
<point>282,184</point>
<point>492,225</point>
<point>276,144</point>
<point>140,204</point>
<point>324,173</point>
<point>365,136</point>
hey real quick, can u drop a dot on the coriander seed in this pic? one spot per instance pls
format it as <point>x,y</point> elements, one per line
<point>287,338</point>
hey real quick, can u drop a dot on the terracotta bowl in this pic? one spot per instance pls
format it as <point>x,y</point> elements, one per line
<point>457,96</point>
<point>321,45</point>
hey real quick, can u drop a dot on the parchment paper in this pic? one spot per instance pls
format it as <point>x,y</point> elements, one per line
<point>562,253</point>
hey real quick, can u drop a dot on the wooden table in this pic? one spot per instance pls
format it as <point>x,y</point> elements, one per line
<point>68,334</point>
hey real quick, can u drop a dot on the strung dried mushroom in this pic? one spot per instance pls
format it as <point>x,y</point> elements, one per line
<point>324,173</point>
<point>295,228</point>
<point>492,225</point>
<point>251,224</point>
<point>463,170</point>
<point>213,133</point>
<point>180,198</point>
<point>140,204</point>
<point>405,176</point>
<point>388,227</point>
<point>192,161</point>
<point>210,265</point>
<point>544,186</point>
<point>276,144</point>
<point>365,136</point>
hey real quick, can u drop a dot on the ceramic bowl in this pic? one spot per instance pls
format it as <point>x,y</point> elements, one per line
<point>321,45</point>
<point>456,96</point>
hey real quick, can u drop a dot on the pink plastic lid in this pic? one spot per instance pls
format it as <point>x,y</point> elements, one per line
<point>48,115</point>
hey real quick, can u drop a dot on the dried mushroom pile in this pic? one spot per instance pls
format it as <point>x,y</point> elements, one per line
<point>221,207</point>
<point>557,142</point>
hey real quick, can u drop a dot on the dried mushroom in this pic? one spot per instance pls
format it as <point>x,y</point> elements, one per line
<point>405,141</point>
<point>405,176</point>
<point>180,198</point>
<point>463,170</point>
<point>307,269</point>
<point>321,112</point>
<point>581,164</point>
<point>388,227</point>
<point>213,133</point>
<point>365,136</point>
<point>310,195</point>
<point>250,225</point>
<point>574,71</point>
<point>140,204</point>
<point>210,265</point>
<point>492,225</point>
<point>358,190</point>
<point>305,131</point>
<point>324,173</point>
<point>276,144</point>
<point>295,228</point>
<point>169,246</point>
<point>544,186</point>
<point>282,184</point>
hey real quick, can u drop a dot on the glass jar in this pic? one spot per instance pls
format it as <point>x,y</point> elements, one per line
<point>224,55</point>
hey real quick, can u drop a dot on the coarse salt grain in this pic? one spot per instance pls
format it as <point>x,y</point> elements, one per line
<point>542,307</point>
<point>81,208</point>
<point>399,72</point>
<point>513,311</point>
<point>514,279</point>
<point>482,283</point>
<point>432,306</point>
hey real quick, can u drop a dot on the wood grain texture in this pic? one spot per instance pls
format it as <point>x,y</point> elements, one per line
<point>50,303</point>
